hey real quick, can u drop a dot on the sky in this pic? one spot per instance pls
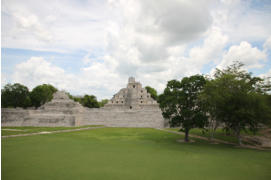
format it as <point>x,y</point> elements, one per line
<point>93,46</point>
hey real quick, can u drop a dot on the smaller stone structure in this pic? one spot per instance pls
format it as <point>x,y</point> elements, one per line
<point>61,111</point>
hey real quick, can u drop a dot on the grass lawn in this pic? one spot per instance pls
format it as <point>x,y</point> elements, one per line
<point>127,153</point>
<point>27,129</point>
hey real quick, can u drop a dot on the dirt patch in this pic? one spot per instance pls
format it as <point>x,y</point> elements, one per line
<point>261,141</point>
<point>183,141</point>
<point>45,132</point>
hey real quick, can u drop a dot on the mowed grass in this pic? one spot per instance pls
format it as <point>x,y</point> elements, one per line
<point>30,129</point>
<point>127,153</point>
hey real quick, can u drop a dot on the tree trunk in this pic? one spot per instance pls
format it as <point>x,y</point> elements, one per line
<point>239,137</point>
<point>211,130</point>
<point>212,135</point>
<point>186,137</point>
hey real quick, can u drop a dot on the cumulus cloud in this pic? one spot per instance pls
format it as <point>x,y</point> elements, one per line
<point>150,27</point>
<point>36,71</point>
<point>252,57</point>
<point>211,50</point>
<point>151,38</point>
<point>53,25</point>
<point>155,41</point>
<point>96,79</point>
<point>243,20</point>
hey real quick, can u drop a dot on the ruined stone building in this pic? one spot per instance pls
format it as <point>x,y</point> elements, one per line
<point>130,107</point>
<point>132,97</point>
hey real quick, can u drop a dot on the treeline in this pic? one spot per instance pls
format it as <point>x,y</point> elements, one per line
<point>232,98</point>
<point>18,95</point>
<point>89,101</point>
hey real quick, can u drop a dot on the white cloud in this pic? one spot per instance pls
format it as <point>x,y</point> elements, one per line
<point>252,57</point>
<point>268,74</point>
<point>243,20</point>
<point>211,49</point>
<point>53,25</point>
<point>155,41</point>
<point>149,40</point>
<point>36,71</point>
<point>97,79</point>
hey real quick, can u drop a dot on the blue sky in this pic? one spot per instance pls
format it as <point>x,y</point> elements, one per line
<point>92,46</point>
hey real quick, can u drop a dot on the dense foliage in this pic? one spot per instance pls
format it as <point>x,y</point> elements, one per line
<point>237,99</point>
<point>15,95</point>
<point>232,98</point>
<point>103,102</point>
<point>18,95</point>
<point>152,92</point>
<point>89,101</point>
<point>180,104</point>
<point>42,94</point>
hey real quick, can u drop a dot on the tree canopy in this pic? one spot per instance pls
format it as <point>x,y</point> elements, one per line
<point>16,95</point>
<point>237,99</point>
<point>90,101</point>
<point>42,94</point>
<point>152,92</point>
<point>103,102</point>
<point>180,105</point>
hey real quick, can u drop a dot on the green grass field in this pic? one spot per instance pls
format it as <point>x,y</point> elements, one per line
<point>127,153</point>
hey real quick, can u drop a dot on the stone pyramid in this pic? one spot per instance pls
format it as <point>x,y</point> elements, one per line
<point>61,103</point>
<point>60,111</point>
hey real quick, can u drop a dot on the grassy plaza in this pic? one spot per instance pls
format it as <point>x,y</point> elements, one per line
<point>127,153</point>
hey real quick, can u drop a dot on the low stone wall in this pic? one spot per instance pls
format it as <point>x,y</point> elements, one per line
<point>108,117</point>
<point>123,118</point>
<point>26,117</point>
<point>13,116</point>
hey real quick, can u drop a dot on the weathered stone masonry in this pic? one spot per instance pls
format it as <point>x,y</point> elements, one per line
<point>130,107</point>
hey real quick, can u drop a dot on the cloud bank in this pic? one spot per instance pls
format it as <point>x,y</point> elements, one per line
<point>155,41</point>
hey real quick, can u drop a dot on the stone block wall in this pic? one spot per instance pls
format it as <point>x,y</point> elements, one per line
<point>123,118</point>
<point>13,116</point>
<point>25,117</point>
<point>108,117</point>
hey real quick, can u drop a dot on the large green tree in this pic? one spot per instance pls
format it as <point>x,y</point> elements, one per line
<point>42,94</point>
<point>15,95</point>
<point>237,99</point>
<point>152,92</point>
<point>90,101</point>
<point>179,103</point>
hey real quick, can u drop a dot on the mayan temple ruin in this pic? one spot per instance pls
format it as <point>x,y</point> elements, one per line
<point>130,107</point>
<point>132,97</point>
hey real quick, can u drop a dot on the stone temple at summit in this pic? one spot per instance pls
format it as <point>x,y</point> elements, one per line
<point>132,97</point>
<point>132,106</point>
